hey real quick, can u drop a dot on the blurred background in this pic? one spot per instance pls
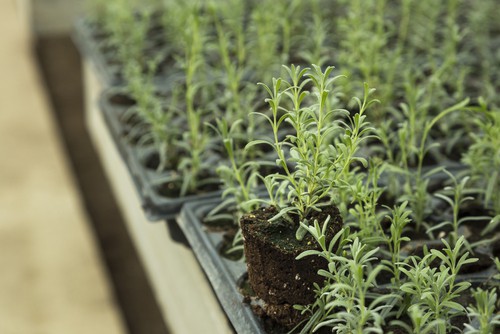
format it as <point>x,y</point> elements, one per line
<point>68,264</point>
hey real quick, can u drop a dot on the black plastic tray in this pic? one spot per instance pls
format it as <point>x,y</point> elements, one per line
<point>226,275</point>
<point>157,207</point>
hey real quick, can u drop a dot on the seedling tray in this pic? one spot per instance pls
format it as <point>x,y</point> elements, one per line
<point>156,206</point>
<point>226,275</point>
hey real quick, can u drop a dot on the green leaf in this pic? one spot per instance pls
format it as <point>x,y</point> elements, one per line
<point>258,142</point>
<point>300,233</point>
<point>453,305</point>
<point>308,253</point>
<point>492,225</point>
<point>282,213</point>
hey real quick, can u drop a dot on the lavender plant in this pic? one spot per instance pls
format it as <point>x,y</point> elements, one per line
<point>263,48</point>
<point>316,50</point>
<point>419,55</point>
<point>365,213</point>
<point>196,141</point>
<point>240,182</point>
<point>455,196</point>
<point>434,290</point>
<point>346,303</point>
<point>399,218</point>
<point>416,180</point>
<point>483,312</point>
<point>155,115</point>
<point>318,166</point>
<point>496,261</point>
<point>127,27</point>
<point>231,47</point>
<point>481,23</point>
<point>483,157</point>
<point>421,322</point>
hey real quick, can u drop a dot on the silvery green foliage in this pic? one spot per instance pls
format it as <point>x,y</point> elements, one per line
<point>421,322</point>
<point>455,196</point>
<point>363,194</point>
<point>196,141</point>
<point>154,113</point>
<point>483,157</point>
<point>127,23</point>
<point>497,265</point>
<point>239,182</point>
<point>483,315</point>
<point>321,146</point>
<point>399,218</point>
<point>346,302</point>
<point>433,290</point>
<point>239,178</point>
<point>416,180</point>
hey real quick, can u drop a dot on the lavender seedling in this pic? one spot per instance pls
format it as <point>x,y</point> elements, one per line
<point>316,50</point>
<point>319,166</point>
<point>263,47</point>
<point>399,218</point>
<point>195,141</point>
<point>240,181</point>
<point>434,290</point>
<point>128,28</point>
<point>155,115</point>
<point>345,303</point>
<point>483,157</point>
<point>496,260</point>
<point>484,312</point>
<point>416,181</point>
<point>455,196</point>
<point>231,47</point>
<point>421,322</point>
<point>365,213</point>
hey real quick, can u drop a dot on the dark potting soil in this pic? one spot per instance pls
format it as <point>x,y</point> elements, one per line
<point>281,316</point>
<point>219,225</point>
<point>173,189</point>
<point>274,273</point>
<point>394,330</point>
<point>495,248</point>
<point>228,228</point>
<point>484,262</point>
<point>474,229</point>
<point>122,100</point>
<point>169,189</point>
<point>153,161</point>
<point>271,326</point>
<point>281,234</point>
<point>131,121</point>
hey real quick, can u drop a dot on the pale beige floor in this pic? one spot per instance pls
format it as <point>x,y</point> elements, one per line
<point>51,278</point>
